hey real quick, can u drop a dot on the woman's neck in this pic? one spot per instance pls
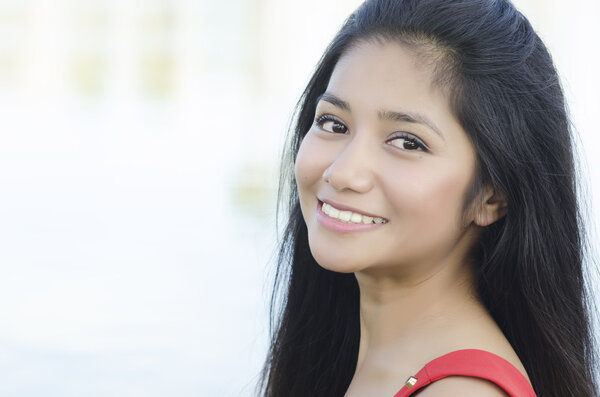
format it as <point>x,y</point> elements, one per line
<point>396,311</point>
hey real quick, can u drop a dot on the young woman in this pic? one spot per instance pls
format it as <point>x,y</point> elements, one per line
<point>434,244</point>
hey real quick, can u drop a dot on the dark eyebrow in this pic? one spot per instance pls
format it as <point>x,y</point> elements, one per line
<point>384,115</point>
<point>409,118</point>
<point>335,101</point>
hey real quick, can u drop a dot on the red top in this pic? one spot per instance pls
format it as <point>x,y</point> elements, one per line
<point>473,363</point>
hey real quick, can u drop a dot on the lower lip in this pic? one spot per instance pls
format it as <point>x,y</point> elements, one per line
<point>343,227</point>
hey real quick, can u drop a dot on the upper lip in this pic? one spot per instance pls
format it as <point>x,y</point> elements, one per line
<point>344,207</point>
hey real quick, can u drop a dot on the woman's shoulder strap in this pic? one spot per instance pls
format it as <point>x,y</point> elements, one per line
<point>473,363</point>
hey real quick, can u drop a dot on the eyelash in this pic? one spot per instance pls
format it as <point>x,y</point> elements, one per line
<point>321,120</point>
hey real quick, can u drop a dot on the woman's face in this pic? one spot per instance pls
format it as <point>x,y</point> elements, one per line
<point>386,146</point>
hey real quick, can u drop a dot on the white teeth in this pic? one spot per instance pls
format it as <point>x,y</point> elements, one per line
<point>333,212</point>
<point>349,216</point>
<point>345,215</point>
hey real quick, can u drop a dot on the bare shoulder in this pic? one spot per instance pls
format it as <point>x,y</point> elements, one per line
<point>462,386</point>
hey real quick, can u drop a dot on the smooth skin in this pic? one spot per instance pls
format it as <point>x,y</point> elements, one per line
<point>385,142</point>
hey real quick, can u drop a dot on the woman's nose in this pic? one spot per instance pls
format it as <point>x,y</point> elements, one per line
<point>352,168</point>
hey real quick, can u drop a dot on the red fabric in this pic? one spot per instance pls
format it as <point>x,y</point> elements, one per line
<point>473,363</point>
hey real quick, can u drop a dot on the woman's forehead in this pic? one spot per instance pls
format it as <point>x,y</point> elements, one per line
<point>385,67</point>
<point>386,77</point>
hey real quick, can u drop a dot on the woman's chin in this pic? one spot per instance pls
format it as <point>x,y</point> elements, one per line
<point>337,262</point>
<point>338,269</point>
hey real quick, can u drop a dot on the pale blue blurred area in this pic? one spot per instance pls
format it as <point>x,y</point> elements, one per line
<point>139,145</point>
<point>132,258</point>
<point>125,268</point>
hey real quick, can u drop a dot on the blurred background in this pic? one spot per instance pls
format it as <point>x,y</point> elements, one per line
<point>139,146</point>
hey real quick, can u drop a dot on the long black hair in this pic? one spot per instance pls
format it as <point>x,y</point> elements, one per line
<point>506,94</point>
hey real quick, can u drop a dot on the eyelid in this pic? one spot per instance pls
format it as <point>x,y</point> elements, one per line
<point>327,116</point>
<point>410,137</point>
<point>322,118</point>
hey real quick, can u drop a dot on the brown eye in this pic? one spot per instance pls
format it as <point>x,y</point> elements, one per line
<point>408,142</point>
<point>409,145</point>
<point>331,124</point>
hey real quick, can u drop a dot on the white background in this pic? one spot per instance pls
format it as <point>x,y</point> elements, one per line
<point>139,143</point>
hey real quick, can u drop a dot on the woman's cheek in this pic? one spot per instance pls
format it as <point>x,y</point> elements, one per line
<point>311,161</point>
<point>429,191</point>
<point>410,184</point>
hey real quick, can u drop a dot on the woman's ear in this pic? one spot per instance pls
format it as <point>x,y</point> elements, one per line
<point>493,207</point>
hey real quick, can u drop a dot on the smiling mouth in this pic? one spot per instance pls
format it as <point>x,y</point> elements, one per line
<point>350,216</point>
